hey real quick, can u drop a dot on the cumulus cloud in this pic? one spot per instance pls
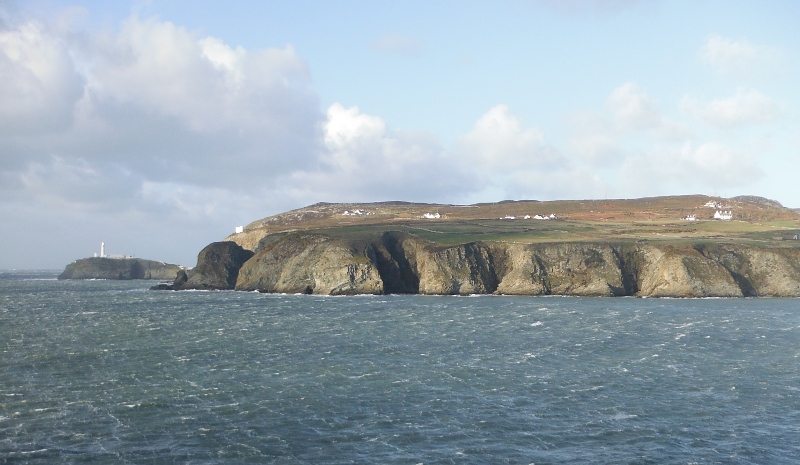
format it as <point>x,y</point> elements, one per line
<point>498,141</point>
<point>364,159</point>
<point>159,101</point>
<point>711,164</point>
<point>40,85</point>
<point>397,44</point>
<point>745,107</point>
<point>650,153</point>
<point>593,139</point>
<point>514,161</point>
<point>634,110</point>
<point>738,56</point>
<point>499,157</point>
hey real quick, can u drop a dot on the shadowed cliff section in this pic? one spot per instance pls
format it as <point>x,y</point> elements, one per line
<point>119,269</point>
<point>217,268</point>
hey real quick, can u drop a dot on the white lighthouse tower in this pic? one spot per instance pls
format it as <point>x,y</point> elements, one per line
<point>102,249</point>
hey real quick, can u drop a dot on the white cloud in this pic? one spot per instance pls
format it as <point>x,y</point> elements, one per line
<point>159,101</point>
<point>745,107</point>
<point>397,44</point>
<point>201,81</point>
<point>633,110</point>
<point>497,158</point>
<point>40,86</point>
<point>365,160</point>
<point>499,142</point>
<point>738,56</point>
<point>711,164</point>
<point>593,139</point>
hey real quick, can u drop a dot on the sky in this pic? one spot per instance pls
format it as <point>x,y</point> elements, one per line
<point>159,126</point>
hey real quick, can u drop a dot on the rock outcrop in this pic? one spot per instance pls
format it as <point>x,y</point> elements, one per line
<point>119,268</point>
<point>217,268</point>
<point>311,263</point>
<point>395,262</point>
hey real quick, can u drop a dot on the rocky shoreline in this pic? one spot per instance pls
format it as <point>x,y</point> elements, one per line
<point>393,262</point>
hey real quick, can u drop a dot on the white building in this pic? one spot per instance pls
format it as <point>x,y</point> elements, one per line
<point>690,218</point>
<point>723,215</point>
<point>239,229</point>
<point>358,212</point>
<point>432,216</point>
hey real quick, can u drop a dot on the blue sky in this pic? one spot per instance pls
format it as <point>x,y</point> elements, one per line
<point>158,126</point>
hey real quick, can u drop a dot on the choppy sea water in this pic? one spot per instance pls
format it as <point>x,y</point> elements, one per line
<point>110,372</point>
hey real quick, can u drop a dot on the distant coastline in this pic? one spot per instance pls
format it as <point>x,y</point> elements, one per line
<point>119,269</point>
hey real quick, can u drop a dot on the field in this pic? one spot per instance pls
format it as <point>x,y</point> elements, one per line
<point>755,220</point>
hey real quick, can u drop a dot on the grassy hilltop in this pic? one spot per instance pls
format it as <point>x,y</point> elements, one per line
<point>756,221</point>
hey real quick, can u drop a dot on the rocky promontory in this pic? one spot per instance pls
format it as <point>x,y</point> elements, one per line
<point>639,257</point>
<point>217,268</point>
<point>119,268</point>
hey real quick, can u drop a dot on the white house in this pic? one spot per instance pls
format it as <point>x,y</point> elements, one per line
<point>431,216</point>
<point>358,212</point>
<point>690,218</point>
<point>239,229</point>
<point>723,215</point>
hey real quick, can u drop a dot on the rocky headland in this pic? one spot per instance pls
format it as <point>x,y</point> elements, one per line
<point>387,257</point>
<point>119,268</point>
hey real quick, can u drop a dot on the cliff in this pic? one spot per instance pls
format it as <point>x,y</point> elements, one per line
<point>397,262</point>
<point>217,268</point>
<point>119,268</point>
<point>650,247</point>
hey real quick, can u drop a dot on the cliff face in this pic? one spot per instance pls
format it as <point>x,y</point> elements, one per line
<point>393,262</point>
<point>118,268</point>
<point>311,263</point>
<point>218,266</point>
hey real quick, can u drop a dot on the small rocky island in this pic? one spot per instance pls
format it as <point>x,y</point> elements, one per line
<point>119,268</point>
<point>680,246</point>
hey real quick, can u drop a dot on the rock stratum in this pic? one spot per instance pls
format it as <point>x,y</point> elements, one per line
<point>119,269</point>
<point>395,258</point>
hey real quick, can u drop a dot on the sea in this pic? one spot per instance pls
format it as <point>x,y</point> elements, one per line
<point>111,372</point>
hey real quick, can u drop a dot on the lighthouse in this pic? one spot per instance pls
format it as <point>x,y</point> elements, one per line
<point>102,249</point>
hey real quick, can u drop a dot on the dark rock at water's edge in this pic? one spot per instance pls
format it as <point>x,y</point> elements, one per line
<point>119,268</point>
<point>217,268</point>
